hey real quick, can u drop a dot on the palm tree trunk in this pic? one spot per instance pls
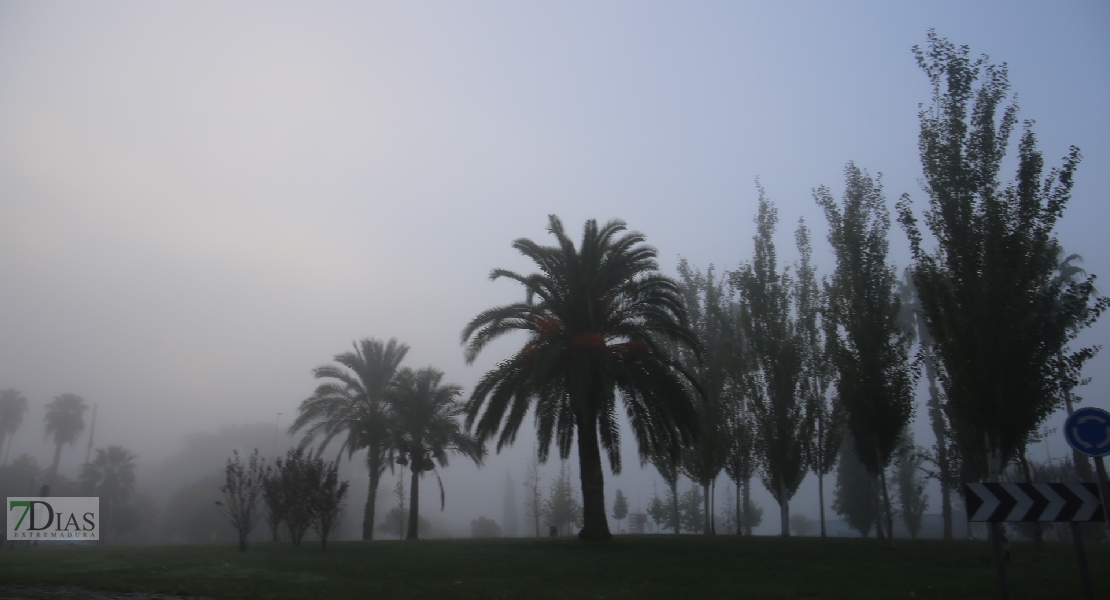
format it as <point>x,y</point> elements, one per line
<point>595,525</point>
<point>371,499</point>
<point>54,465</point>
<point>414,502</point>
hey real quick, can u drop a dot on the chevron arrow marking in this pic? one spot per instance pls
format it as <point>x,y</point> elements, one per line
<point>987,502</point>
<point>1090,502</point>
<point>1022,502</point>
<point>1055,502</point>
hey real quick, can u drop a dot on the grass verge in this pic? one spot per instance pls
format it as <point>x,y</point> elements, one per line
<point>628,567</point>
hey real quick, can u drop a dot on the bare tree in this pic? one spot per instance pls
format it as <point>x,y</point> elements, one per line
<point>533,499</point>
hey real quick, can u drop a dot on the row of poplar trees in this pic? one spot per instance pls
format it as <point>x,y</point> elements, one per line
<point>791,368</point>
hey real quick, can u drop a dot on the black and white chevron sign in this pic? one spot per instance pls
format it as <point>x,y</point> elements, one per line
<point>997,502</point>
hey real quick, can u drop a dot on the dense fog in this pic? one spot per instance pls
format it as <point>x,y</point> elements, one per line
<point>201,203</point>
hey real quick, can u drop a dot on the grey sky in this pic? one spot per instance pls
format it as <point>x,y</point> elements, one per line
<point>199,202</point>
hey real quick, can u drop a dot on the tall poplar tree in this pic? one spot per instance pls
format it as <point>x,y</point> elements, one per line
<point>777,406</point>
<point>871,353</point>
<point>706,301</point>
<point>818,371</point>
<point>986,287</point>
<point>942,455</point>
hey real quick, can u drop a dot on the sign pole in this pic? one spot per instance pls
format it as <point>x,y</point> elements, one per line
<point>999,560</point>
<point>1103,488</point>
<point>1081,556</point>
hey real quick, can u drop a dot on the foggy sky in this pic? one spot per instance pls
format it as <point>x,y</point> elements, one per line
<point>200,202</point>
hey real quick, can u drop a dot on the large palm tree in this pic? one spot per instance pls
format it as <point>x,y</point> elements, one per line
<point>353,403</point>
<point>599,318</point>
<point>12,407</point>
<point>111,476</point>
<point>65,420</point>
<point>427,429</point>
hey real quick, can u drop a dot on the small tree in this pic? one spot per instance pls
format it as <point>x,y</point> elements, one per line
<point>664,513</point>
<point>329,497</point>
<point>620,509</point>
<point>910,479</point>
<point>800,525</point>
<point>272,495</point>
<point>562,508</point>
<point>242,489</point>
<point>294,487</point>
<point>752,517</point>
<point>484,527</point>
<point>667,465</point>
<point>690,508</point>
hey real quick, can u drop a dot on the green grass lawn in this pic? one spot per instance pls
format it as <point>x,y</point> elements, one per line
<point>661,566</point>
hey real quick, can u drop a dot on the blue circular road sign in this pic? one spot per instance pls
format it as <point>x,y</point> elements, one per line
<point>1088,431</point>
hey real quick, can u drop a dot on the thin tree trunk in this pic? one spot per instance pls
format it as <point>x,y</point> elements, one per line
<point>705,504</point>
<point>886,506</point>
<point>739,506</point>
<point>536,510</point>
<point>242,541</point>
<point>595,524</point>
<point>414,503</point>
<point>821,499</point>
<point>936,416</point>
<point>880,529</point>
<point>821,459</point>
<point>784,509</point>
<point>713,507</point>
<point>674,505</point>
<point>747,507</point>
<point>8,452</point>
